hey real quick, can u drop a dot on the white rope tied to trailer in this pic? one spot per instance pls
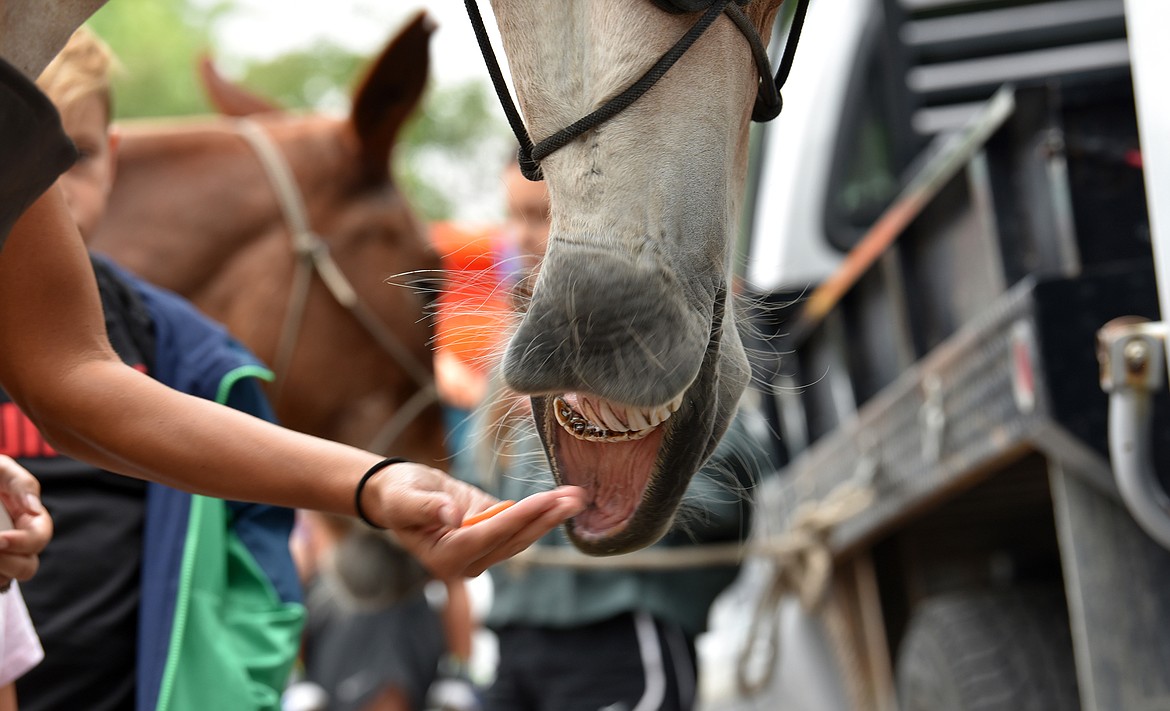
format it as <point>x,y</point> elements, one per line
<point>804,541</point>
<point>802,565</point>
<point>698,556</point>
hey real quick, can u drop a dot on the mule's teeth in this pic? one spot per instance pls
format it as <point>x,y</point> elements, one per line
<point>657,416</point>
<point>596,436</point>
<point>562,411</point>
<point>588,410</point>
<point>601,421</point>
<point>600,409</point>
<point>639,420</point>
<point>611,419</point>
<point>664,412</point>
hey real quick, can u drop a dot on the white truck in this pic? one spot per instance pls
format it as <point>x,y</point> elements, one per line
<point>958,241</point>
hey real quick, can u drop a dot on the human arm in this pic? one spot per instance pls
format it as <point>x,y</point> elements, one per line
<point>459,385</point>
<point>59,367</point>
<point>453,689</point>
<point>458,621</point>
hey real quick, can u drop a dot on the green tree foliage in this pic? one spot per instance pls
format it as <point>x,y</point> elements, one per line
<point>320,77</point>
<point>158,43</point>
<point>451,150</point>
<point>449,153</point>
<point>438,160</point>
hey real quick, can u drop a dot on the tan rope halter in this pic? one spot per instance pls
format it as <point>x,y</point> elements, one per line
<point>312,256</point>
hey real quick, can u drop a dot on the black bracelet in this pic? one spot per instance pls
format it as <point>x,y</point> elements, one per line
<point>361,485</point>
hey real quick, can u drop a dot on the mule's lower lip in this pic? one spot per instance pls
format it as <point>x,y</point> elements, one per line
<point>595,525</point>
<point>615,468</point>
<point>615,480</point>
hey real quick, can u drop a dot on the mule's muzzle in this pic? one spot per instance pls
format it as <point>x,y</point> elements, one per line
<point>652,473</point>
<point>616,326</point>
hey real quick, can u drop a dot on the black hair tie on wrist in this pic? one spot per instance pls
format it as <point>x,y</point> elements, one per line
<point>361,486</point>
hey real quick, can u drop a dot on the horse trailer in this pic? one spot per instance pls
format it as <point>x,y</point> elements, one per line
<point>954,254</point>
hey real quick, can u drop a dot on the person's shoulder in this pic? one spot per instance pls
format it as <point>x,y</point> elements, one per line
<point>165,306</point>
<point>154,294</point>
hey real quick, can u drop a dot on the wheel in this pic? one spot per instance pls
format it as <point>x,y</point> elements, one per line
<point>988,651</point>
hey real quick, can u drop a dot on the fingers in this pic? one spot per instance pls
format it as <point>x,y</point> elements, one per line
<point>471,550</point>
<point>425,507</point>
<point>20,489</point>
<point>17,567</point>
<point>20,547</point>
<point>415,496</point>
<point>29,528</point>
<point>29,536</point>
<point>566,507</point>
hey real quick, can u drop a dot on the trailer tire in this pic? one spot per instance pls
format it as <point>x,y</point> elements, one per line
<point>988,651</point>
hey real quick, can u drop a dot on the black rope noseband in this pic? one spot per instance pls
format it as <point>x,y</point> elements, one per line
<point>768,100</point>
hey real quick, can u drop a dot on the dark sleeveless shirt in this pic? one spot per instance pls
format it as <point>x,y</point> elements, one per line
<point>34,149</point>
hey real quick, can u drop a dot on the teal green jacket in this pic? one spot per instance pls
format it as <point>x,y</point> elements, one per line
<point>715,509</point>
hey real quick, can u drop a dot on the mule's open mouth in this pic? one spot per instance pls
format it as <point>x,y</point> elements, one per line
<point>628,422</point>
<point>612,451</point>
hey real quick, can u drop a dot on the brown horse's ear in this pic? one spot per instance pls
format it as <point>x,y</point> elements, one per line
<point>230,99</point>
<point>389,93</point>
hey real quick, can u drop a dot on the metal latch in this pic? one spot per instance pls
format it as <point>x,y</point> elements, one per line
<point>1131,351</point>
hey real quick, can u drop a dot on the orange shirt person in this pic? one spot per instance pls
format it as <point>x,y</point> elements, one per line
<point>474,313</point>
<point>487,270</point>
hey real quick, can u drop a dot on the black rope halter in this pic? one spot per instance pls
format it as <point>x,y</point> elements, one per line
<point>768,100</point>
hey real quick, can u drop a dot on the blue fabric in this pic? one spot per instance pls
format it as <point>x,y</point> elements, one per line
<point>164,539</point>
<point>195,355</point>
<point>255,525</point>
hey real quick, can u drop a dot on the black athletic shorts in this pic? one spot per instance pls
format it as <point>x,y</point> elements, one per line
<point>631,662</point>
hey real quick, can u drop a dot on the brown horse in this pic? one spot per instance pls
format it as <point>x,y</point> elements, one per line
<point>288,229</point>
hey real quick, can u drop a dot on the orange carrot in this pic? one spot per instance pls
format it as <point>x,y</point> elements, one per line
<point>488,512</point>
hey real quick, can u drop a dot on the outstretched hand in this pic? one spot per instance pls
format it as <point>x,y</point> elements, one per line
<point>424,508</point>
<point>31,529</point>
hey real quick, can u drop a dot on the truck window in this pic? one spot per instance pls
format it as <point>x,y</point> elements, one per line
<point>864,175</point>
